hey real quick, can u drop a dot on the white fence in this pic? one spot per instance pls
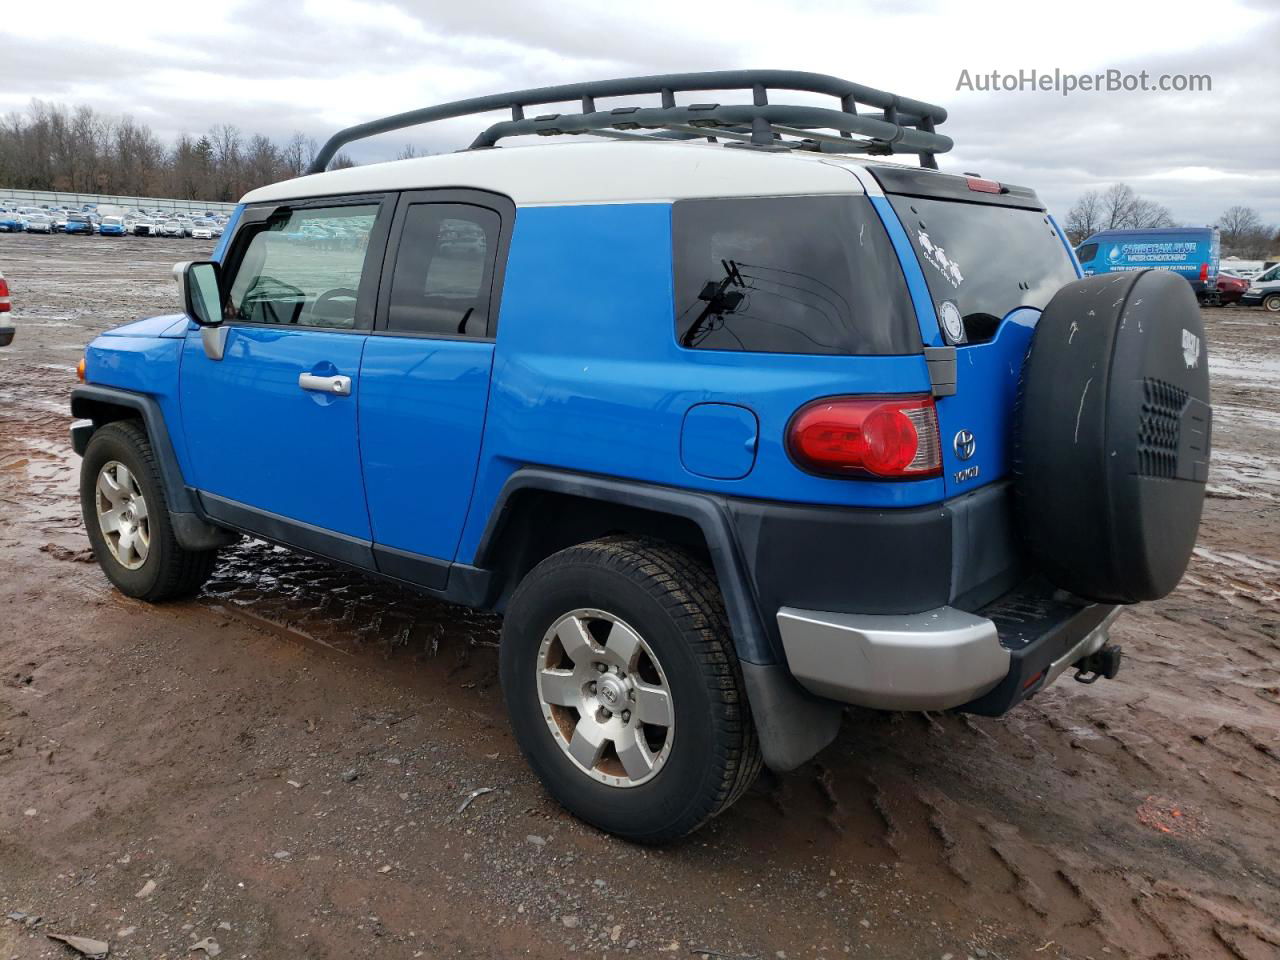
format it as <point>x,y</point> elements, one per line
<point>36,198</point>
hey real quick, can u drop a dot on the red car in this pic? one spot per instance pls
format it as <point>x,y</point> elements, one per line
<point>1229,290</point>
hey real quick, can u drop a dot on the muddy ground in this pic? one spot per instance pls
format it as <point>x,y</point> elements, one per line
<point>280,764</point>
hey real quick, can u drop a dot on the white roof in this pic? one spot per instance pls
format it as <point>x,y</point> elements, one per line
<point>620,171</point>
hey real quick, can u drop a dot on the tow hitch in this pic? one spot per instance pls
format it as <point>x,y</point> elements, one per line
<point>1104,662</point>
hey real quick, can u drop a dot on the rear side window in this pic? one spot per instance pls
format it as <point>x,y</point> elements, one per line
<point>1087,252</point>
<point>444,270</point>
<point>811,275</point>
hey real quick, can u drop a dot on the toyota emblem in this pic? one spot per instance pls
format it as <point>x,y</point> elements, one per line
<point>964,445</point>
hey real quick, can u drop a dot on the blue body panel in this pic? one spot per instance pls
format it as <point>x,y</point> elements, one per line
<point>142,364</point>
<point>588,375</point>
<point>1186,251</point>
<point>422,407</point>
<point>986,388</point>
<point>917,286</point>
<point>111,231</point>
<point>74,226</point>
<point>170,325</point>
<point>254,436</point>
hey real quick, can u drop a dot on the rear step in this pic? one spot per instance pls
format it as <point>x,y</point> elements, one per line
<point>1045,632</point>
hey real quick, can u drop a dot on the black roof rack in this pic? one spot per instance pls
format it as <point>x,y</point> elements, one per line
<point>897,125</point>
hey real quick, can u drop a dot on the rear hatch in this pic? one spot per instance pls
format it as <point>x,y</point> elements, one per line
<point>991,258</point>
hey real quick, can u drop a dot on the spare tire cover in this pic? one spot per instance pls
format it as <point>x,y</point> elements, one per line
<point>1112,436</point>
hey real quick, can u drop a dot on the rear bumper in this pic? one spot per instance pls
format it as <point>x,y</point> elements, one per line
<point>961,553</point>
<point>984,662</point>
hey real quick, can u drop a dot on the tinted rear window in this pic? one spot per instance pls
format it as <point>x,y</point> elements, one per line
<point>789,275</point>
<point>988,260</point>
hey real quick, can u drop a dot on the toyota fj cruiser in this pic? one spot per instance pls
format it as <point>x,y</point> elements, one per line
<point>732,428</point>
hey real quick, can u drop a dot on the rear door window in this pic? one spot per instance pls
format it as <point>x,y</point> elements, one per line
<point>444,270</point>
<point>1087,252</point>
<point>813,275</point>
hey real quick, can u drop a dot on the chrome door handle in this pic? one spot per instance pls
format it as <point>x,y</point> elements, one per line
<point>338,386</point>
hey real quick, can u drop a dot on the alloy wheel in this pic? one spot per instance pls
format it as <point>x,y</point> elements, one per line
<point>605,698</point>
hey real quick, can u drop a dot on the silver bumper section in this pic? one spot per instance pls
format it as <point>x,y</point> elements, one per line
<point>933,660</point>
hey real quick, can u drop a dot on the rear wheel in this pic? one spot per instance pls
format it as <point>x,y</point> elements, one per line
<point>624,691</point>
<point>127,518</point>
<point>1272,303</point>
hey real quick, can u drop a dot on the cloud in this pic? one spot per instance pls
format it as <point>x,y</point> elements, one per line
<point>318,65</point>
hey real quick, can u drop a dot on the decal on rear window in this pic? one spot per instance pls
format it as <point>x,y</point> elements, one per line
<point>937,256</point>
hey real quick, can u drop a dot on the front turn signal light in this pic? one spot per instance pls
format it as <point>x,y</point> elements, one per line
<point>80,370</point>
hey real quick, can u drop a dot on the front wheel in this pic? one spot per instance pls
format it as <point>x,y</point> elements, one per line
<point>126,517</point>
<point>624,691</point>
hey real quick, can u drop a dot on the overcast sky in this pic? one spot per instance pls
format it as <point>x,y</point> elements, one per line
<point>317,65</point>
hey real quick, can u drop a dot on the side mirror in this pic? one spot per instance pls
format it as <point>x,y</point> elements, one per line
<point>200,288</point>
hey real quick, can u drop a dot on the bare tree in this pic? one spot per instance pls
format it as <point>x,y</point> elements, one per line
<point>407,152</point>
<point>1148,213</point>
<point>1116,208</point>
<point>225,138</point>
<point>298,154</point>
<point>1085,217</point>
<point>262,161</point>
<point>1244,234</point>
<point>341,162</point>
<point>55,147</point>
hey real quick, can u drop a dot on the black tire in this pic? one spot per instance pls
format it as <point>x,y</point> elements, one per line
<point>1271,302</point>
<point>1112,436</point>
<point>169,571</point>
<point>671,599</point>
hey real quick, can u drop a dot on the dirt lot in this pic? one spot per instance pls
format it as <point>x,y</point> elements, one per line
<point>280,764</point>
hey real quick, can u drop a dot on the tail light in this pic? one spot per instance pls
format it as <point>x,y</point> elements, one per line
<point>1204,272</point>
<point>891,437</point>
<point>5,306</point>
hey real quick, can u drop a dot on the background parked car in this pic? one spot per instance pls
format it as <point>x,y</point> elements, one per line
<point>39,223</point>
<point>111,227</point>
<point>202,229</point>
<point>1264,290</point>
<point>59,220</point>
<point>79,223</point>
<point>12,222</point>
<point>172,228</point>
<point>1246,269</point>
<point>1230,290</point>
<point>145,227</point>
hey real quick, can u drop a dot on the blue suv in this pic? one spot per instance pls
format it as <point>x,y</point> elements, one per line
<point>732,427</point>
